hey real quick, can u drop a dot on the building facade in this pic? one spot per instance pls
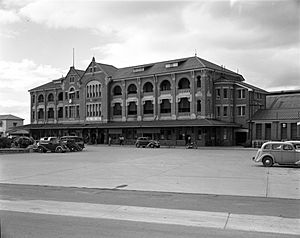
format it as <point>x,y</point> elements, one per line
<point>9,122</point>
<point>280,120</point>
<point>168,100</point>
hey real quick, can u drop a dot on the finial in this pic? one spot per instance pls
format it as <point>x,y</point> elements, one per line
<point>195,52</point>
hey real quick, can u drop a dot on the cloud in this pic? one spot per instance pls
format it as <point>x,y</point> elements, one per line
<point>8,16</point>
<point>16,78</point>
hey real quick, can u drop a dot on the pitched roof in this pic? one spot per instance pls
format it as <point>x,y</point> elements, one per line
<point>108,69</point>
<point>278,101</point>
<point>276,114</point>
<point>10,117</point>
<point>49,85</point>
<point>246,85</point>
<point>160,68</point>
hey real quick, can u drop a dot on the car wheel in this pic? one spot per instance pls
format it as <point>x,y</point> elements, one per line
<point>58,150</point>
<point>40,149</point>
<point>267,161</point>
<point>151,146</point>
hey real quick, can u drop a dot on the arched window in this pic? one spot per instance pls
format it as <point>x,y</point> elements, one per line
<point>61,96</point>
<point>41,113</point>
<point>184,105</point>
<point>199,82</point>
<point>183,83</point>
<point>165,85</point>
<point>198,105</point>
<point>93,89</point>
<point>117,90</point>
<point>132,89</point>
<point>132,108</point>
<point>50,113</point>
<point>72,93</point>
<point>41,98</point>
<point>148,87</point>
<point>148,107</point>
<point>117,110</point>
<point>50,97</point>
<point>165,106</point>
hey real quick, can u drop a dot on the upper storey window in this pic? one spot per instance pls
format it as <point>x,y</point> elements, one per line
<point>41,98</point>
<point>72,79</point>
<point>33,99</point>
<point>132,89</point>
<point>50,97</point>
<point>165,85</point>
<point>199,82</point>
<point>61,96</point>
<point>139,69</point>
<point>241,93</point>
<point>184,83</point>
<point>148,87</point>
<point>117,90</point>
<point>93,89</point>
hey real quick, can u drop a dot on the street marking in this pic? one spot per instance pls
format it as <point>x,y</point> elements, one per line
<point>220,220</point>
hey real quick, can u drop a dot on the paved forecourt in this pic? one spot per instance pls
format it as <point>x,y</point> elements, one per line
<point>223,171</point>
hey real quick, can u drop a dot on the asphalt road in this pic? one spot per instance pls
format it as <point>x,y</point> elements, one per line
<point>21,225</point>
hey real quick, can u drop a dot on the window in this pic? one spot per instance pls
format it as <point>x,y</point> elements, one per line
<point>267,147</point>
<point>138,69</point>
<point>165,134</point>
<point>41,98</point>
<point>198,105</point>
<point>148,87</point>
<point>41,113</point>
<point>15,124</point>
<point>165,106</point>
<point>33,99</point>
<point>241,110</point>
<point>117,110</point>
<point>148,107</point>
<point>132,89</point>
<point>225,111</point>
<point>72,79</point>
<point>225,93</point>
<point>117,90</point>
<point>77,94</point>
<point>66,112</point>
<point>77,111</point>
<point>50,113</point>
<point>218,111</point>
<point>218,93</point>
<point>241,93</point>
<point>184,105</point>
<point>132,108</point>
<point>171,65</point>
<point>33,116</point>
<point>66,95</point>
<point>93,89</point>
<point>258,131</point>
<point>199,82</point>
<point>165,86</point>
<point>287,147</point>
<point>183,83</point>
<point>60,96</point>
<point>276,146</point>
<point>60,112</point>
<point>50,97</point>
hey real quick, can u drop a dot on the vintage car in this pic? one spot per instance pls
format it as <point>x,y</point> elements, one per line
<point>52,144</point>
<point>77,139</point>
<point>146,142</point>
<point>274,152</point>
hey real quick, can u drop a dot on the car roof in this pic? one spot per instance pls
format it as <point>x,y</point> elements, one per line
<point>277,142</point>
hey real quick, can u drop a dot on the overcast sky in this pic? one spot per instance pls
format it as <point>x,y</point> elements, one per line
<point>260,39</point>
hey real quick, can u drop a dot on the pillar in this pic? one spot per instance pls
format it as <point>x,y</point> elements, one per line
<point>174,107</point>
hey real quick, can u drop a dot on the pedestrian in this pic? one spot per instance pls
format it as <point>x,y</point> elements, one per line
<point>121,138</point>
<point>109,141</point>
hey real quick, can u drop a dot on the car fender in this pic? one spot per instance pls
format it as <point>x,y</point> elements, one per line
<point>264,155</point>
<point>41,146</point>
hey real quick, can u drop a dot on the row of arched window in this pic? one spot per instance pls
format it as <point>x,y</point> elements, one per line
<point>93,110</point>
<point>93,89</point>
<point>165,85</point>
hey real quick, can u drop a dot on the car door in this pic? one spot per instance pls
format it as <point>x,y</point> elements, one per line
<point>276,152</point>
<point>288,154</point>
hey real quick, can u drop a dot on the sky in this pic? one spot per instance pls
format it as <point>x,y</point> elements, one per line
<point>258,39</point>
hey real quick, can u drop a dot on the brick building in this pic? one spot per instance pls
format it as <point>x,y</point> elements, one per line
<point>9,122</point>
<point>280,120</point>
<point>168,100</point>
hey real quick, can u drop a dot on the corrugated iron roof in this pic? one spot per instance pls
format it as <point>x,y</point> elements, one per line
<point>10,117</point>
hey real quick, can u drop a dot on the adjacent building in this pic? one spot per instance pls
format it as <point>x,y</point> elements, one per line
<point>168,100</point>
<point>9,122</point>
<point>280,120</point>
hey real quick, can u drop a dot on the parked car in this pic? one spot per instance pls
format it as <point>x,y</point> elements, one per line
<point>146,142</point>
<point>77,139</point>
<point>52,144</point>
<point>283,153</point>
<point>72,145</point>
<point>295,143</point>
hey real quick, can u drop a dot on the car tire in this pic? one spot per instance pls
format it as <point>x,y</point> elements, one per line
<point>59,150</point>
<point>40,149</point>
<point>267,161</point>
<point>151,146</point>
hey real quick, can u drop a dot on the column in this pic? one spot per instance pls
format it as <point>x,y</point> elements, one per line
<point>204,96</point>
<point>55,106</point>
<point>193,104</point>
<point>124,104</point>
<point>289,130</point>
<point>155,95</point>
<point>174,107</point>
<point>139,100</point>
